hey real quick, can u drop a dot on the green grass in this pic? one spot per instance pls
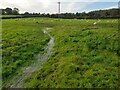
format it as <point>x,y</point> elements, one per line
<point>84,55</point>
<point>8,16</point>
<point>22,41</point>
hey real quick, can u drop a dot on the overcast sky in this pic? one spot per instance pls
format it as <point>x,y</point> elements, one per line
<point>51,6</point>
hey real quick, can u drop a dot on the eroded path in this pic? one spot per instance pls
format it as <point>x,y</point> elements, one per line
<point>27,72</point>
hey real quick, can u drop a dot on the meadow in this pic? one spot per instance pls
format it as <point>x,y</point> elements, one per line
<point>22,40</point>
<point>84,54</point>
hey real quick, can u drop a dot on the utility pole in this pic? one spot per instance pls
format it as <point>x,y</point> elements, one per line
<point>59,7</point>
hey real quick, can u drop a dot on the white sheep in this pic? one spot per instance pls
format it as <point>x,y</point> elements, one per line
<point>94,23</point>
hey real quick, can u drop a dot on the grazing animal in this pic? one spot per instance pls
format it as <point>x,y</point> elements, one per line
<point>94,23</point>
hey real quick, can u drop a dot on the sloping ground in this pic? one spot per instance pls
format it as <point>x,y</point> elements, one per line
<point>85,55</point>
<point>28,71</point>
<point>22,40</point>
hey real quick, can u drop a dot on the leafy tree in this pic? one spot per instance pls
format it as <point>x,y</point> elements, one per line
<point>15,11</point>
<point>8,11</point>
<point>26,13</point>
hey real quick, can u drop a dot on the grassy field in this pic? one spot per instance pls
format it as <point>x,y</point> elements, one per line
<point>8,16</point>
<point>22,40</point>
<point>84,55</point>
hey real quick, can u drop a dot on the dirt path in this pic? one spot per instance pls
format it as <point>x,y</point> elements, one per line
<point>27,72</point>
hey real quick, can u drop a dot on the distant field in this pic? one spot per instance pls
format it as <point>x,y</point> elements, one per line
<point>84,55</point>
<point>8,15</point>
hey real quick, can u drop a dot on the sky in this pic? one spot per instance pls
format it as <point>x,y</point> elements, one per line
<point>51,6</point>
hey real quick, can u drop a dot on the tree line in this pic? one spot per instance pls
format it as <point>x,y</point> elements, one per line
<point>98,14</point>
<point>10,11</point>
